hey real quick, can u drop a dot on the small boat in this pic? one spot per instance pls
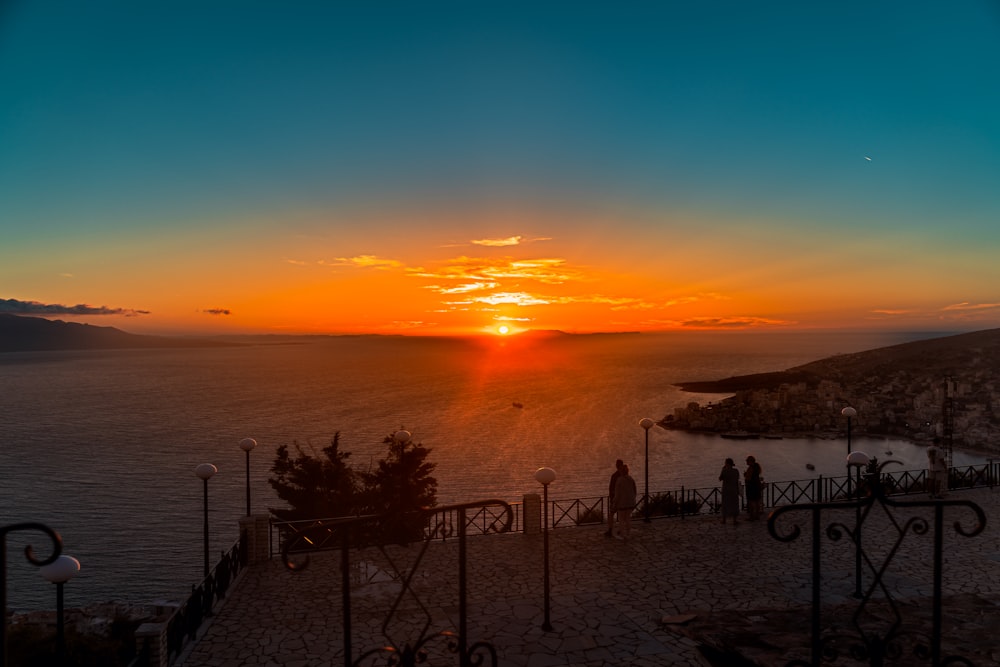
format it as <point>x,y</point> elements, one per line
<point>810,466</point>
<point>517,405</point>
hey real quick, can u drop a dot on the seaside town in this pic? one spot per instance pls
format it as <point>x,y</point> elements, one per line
<point>919,392</point>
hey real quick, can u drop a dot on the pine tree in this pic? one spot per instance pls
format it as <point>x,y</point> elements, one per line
<point>315,487</point>
<point>401,482</point>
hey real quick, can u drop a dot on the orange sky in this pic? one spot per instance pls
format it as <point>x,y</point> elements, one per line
<point>654,166</point>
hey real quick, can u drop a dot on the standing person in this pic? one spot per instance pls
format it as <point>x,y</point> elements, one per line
<point>730,478</point>
<point>937,470</point>
<point>932,471</point>
<point>941,465</point>
<point>624,501</point>
<point>611,497</point>
<point>753,476</point>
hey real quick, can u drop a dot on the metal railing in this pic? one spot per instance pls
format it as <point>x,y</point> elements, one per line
<point>348,534</point>
<point>681,502</point>
<point>184,623</point>
<point>685,502</point>
<point>438,523</point>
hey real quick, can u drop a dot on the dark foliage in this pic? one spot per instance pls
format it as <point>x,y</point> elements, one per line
<point>319,487</point>
<point>314,486</point>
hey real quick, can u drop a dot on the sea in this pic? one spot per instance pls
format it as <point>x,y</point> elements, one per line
<point>102,445</point>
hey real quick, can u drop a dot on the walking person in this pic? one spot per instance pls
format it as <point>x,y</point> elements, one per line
<point>624,500</point>
<point>753,477</point>
<point>611,497</point>
<point>730,478</point>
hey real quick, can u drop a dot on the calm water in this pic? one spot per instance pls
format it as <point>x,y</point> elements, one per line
<point>102,446</point>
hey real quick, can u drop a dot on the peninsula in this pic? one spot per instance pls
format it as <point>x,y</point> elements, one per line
<point>945,387</point>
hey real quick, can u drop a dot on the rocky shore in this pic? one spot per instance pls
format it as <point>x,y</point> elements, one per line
<point>946,387</point>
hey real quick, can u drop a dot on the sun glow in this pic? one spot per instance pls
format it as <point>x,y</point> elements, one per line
<point>503,330</point>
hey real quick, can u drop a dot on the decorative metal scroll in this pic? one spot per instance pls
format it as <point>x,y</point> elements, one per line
<point>875,632</point>
<point>382,532</point>
<point>29,553</point>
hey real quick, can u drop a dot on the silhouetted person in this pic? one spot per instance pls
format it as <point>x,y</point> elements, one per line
<point>624,501</point>
<point>730,478</point>
<point>611,497</point>
<point>753,478</point>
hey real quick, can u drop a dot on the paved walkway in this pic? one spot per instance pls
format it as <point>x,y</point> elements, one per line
<point>612,602</point>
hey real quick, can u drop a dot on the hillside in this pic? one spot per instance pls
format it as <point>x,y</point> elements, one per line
<point>913,390</point>
<point>19,333</point>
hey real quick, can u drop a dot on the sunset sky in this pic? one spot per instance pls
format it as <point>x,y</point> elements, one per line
<point>439,168</point>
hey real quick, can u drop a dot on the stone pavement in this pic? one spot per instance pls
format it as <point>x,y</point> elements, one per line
<point>650,600</point>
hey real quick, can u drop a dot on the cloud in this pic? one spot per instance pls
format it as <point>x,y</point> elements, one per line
<point>36,308</point>
<point>965,306</point>
<point>731,322</point>
<point>217,311</point>
<point>515,298</point>
<point>509,241</point>
<point>498,243</point>
<point>546,270</point>
<point>464,288</point>
<point>365,262</point>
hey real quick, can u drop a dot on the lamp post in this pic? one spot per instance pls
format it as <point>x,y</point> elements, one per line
<point>646,423</point>
<point>58,572</point>
<point>247,444</point>
<point>850,413</point>
<point>205,472</point>
<point>858,460</point>
<point>546,476</point>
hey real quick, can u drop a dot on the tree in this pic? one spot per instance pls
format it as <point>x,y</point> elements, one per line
<point>321,487</point>
<point>399,485</point>
<point>402,482</point>
<point>315,487</point>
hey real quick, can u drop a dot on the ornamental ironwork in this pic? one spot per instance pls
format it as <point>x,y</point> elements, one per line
<point>888,536</point>
<point>29,553</point>
<point>387,533</point>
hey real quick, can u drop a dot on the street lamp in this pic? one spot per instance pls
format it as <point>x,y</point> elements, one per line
<point>646,423</point>
<point>205,472</point>
<point>546,476</point>
<point>858,460</point>
<point>58,572</point>
<point>850,413</point>
<point>247,444</point>
<point>402,436</point>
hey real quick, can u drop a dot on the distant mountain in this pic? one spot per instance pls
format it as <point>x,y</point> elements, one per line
<point>19,333</point>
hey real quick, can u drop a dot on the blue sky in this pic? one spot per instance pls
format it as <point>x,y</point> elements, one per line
<point>140,140</point>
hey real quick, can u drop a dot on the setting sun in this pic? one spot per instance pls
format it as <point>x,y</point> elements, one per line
<point>503,330</point>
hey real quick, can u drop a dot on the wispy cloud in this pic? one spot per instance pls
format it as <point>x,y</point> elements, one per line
<point>509,241</point>
<point>512,298</point>
<point>741,322</point>
<point>965,306</point>
<point>546,270</point>
<point>463,288</point>
<point>36,308</point>
<point>366,262</point>
<point>498,243</point>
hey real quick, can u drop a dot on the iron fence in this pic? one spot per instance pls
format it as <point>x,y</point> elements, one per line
<point>678,503</point>
<point>184,623</point>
